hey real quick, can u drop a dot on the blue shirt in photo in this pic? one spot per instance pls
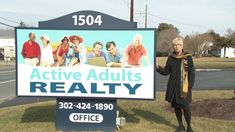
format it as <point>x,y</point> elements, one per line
<point>117,58</point>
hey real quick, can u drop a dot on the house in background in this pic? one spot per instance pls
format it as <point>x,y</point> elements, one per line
<point>225,52</point>
<point>7,49</point>
<point>228,52</point>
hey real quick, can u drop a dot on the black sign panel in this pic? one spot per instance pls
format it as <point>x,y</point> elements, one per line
<point>86,115</point>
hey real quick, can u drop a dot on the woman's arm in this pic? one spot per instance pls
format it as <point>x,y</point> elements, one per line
<point>50,54</point>
<point>164,70</point>
<point>83,54</point>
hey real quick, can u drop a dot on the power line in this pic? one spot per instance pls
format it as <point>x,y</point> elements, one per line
<point>9,20</point>
<point>138,18</point>
<point>160,17</point>
<point>7,25</point>
<point>182,23</point>
<point>126,3</point>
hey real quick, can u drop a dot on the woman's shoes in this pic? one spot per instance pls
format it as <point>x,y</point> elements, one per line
<point>189,129</point>
<point>180,128</point>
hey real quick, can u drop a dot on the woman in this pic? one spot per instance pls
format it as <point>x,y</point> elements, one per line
<point>46,52</point>
<point>179,88</point>
<point>61,51</point>
<point>79,51</point>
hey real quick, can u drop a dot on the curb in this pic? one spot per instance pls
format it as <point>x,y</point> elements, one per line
<point>14,101</point>
<point>213,70</point>
<point>208,70</point>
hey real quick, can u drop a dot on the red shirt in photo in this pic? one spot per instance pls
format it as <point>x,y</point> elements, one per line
<point>135,54</point>
<point>31,50</point>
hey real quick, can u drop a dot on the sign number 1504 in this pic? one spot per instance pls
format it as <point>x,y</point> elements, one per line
<point>89,20</point>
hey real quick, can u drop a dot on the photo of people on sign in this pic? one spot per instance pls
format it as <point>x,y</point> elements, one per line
<point>72,52</point>
<point>120,58</point>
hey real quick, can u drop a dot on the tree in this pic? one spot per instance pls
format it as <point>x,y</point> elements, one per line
<point>222,41</point>
<point>7,33</point>
<point>165,26</point>
<point>197,44</point>
<point>164,40</point>
<point>219,41</point>
<point>166,33</point>
<point>230,36</point>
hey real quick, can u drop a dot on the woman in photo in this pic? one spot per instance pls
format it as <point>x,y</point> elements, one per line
<point>61,52</point>
<point>79,51</point>
<point>46,52</point>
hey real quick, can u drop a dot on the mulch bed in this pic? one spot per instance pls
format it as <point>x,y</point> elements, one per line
<point>212,108</point>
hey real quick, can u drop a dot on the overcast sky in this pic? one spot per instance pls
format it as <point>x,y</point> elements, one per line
<point>189,16</point>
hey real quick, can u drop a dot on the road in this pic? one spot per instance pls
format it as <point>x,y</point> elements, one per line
<point>204,80</point>
<point>8,89</point>
<point>7,83</point>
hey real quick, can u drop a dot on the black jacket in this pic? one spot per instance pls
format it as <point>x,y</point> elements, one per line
<point>173,86</point>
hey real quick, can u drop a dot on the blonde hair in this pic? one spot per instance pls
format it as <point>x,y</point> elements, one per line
<point>177,40</point>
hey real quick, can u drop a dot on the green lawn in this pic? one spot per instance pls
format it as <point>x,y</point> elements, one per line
<point>142,116</point>
<point>207,62</point>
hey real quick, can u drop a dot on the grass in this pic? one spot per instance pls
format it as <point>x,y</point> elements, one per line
<point>207,62</point>
<point>38,117</point>
<point>148,116</point>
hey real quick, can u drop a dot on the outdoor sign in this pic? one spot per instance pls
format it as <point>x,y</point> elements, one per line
<point>87,60</point>
<point>49,69</point>
<point>86,115</point>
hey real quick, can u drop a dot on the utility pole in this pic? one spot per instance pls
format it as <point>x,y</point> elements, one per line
<point>132,11</point>
<point>146,16</point>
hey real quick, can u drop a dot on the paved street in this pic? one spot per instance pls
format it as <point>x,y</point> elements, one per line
<point>7,83</point>
<point>8,89</point>
<point>205,80</point>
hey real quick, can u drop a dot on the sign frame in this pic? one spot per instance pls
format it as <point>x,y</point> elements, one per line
<point>140,29</point>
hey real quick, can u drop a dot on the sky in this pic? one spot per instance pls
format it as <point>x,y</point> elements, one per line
<point>189,16</point>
